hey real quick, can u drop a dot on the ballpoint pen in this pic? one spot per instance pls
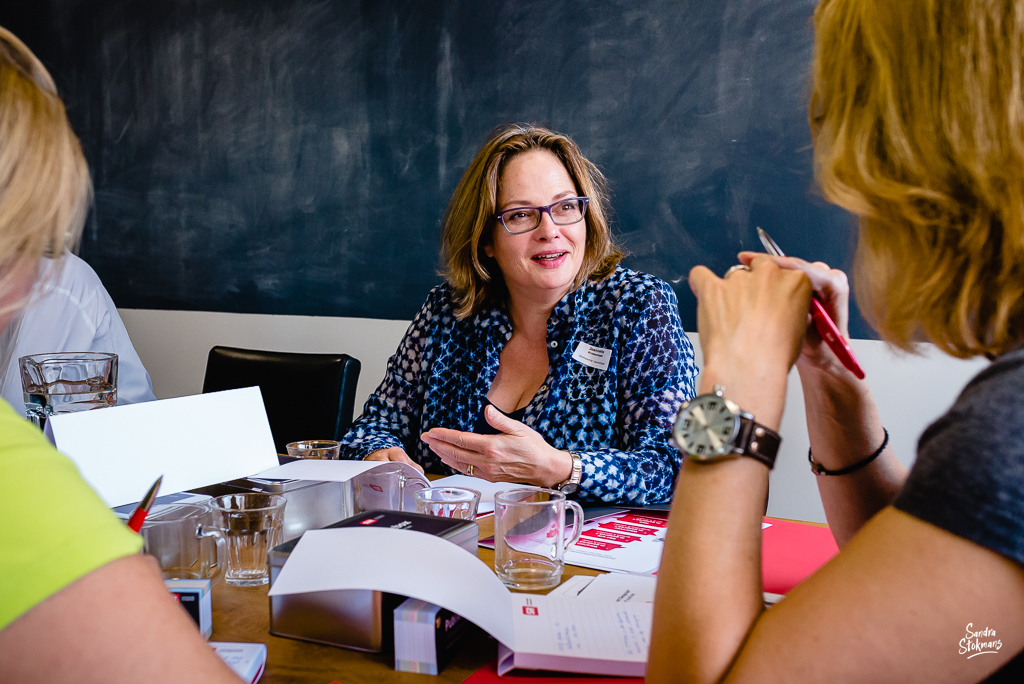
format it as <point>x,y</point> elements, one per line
<point>139,514</point>
<point>822,321</point>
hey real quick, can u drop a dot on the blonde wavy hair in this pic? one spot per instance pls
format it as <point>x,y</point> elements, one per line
<point>45,189</point>
<point>469,221</point>
<point>917,115</point>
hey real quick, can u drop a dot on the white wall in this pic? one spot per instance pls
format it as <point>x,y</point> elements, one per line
<point>911,391</point>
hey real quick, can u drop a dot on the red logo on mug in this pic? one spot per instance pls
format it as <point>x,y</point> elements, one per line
<point>530,610</point>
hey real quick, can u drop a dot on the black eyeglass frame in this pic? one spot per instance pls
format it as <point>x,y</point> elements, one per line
<point>544,210</point>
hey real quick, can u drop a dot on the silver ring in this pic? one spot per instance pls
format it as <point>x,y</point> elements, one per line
<point>733,269</point>
<point>469,470</point>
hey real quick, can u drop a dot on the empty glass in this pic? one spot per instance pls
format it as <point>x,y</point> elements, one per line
<point>251,525</point>
<point>177,535</point>
<point>323,449</point>
<point>529,536</point>
<point>448,502</point>
<point>67,382</point>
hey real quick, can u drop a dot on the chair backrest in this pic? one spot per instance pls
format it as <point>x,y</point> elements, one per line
<point>307,396</point>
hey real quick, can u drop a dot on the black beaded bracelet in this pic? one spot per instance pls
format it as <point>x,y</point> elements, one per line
<point>819,469</point>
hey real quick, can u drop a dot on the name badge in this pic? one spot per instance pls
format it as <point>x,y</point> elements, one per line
<point>592,356</point>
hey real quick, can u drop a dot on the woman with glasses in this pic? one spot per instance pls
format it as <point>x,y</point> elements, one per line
<point>917,116</point>
<point>540,360</point>
<point>78,602</point>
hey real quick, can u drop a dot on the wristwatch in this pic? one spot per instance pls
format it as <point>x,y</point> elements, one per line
<point>711,428</point>
<point>573,483</point>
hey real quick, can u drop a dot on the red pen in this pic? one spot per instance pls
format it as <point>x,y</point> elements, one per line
<point>825,325</point>
<point>139,514</point>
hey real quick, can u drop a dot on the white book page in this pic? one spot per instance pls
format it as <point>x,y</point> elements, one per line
<point>561,628</point>
<point>192,441</point>
<point>412,564</point>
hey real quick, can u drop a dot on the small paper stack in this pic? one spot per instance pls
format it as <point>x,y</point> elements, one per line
<point>427,637</point>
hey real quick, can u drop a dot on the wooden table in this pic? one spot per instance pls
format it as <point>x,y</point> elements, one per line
<point>243,614</point>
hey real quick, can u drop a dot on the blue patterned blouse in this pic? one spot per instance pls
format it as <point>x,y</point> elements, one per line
<point>617,418</point>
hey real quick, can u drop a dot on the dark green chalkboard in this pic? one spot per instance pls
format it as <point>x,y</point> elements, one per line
<point>295,156</point>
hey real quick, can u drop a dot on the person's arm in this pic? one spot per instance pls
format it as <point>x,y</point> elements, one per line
<point>892,606</point>
<point>656,372</point>
<point>116,624</point>
<point>389,424</point>
<point>842,419</point>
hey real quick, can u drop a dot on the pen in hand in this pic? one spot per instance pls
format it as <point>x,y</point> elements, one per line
<point>822,321</point>
<point>139,514</point>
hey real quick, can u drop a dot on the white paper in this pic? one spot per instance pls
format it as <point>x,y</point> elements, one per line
<point>192,441</point>
<point>412,564</point>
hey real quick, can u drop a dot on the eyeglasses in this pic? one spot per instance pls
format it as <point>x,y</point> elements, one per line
<point>563,213</point>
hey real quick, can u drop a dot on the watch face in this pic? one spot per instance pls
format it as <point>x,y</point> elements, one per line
<point>707,427</point>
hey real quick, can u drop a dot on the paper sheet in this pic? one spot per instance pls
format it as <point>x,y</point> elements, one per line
<point>630,541</point>
<point>412,564</point>
<point>192,441</point>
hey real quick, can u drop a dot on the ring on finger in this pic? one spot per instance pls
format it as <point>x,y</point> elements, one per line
<point>733,269</point>
<point>469,470</point>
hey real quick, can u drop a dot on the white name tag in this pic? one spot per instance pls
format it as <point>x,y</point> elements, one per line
<point>592,356</point>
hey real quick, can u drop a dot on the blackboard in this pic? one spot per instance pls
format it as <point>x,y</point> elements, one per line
<point>295,156</point>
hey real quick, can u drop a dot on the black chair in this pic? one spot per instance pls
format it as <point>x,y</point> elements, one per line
<point>307,396</point>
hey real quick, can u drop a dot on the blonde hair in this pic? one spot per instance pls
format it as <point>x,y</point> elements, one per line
<point>918,123</point>
<point>470,218</point>
<point>45,189</point>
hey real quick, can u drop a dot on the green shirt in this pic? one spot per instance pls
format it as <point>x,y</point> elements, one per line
<point>54,528</point>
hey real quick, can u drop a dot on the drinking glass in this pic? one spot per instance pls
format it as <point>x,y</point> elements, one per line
<point>448,502</point>
<point>179,537</point>
<point>67,382</point>
<point>251,525</point>
<point>529,536</point>
<point>324,449</point>
<point>385,488</point>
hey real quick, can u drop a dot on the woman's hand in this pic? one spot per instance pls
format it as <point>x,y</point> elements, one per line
<point>518,454</point>
<point>751,327</point>
<point>833,291</point>
<point>392,454</point>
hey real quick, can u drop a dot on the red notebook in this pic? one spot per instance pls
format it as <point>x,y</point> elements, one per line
<point>791,552</point>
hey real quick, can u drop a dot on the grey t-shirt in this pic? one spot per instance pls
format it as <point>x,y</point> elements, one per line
<point>969,474</point>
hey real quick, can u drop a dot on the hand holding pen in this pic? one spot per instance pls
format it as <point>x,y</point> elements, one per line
<point>830,333</point>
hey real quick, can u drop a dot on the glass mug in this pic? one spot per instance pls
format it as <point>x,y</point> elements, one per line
<point>67,382</point>
<point>529,536</point>
<point>321,449</point>
<point>448,502</point>
<point>250,525</point>
<point>180,538</point>
<point>385,488</point>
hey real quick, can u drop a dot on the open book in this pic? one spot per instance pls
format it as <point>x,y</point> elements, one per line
<point>534,631</point>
